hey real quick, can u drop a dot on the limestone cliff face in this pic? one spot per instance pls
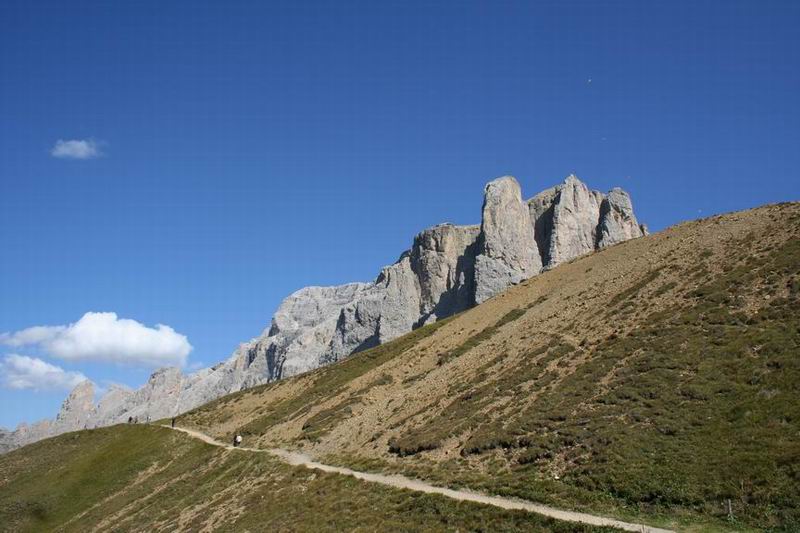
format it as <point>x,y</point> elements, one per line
<point>618,223</point>
<point>114,405</point>
<point>508,252</point>
<point>432,280</point>
<point>159,397</point>
<point>26,433</point>
<point>570,220</point>
<point>442,258</point>
<point>576,215</point>
<point>77,409</point>
<point>76,413</point>
<point>302,329</point>
<point>448,269</point>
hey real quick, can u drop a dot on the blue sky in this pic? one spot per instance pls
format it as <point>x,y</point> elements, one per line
<point>236,151</point>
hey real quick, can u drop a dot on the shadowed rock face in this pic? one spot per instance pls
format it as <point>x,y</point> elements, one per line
<point>576,215</point>
<point>442,260</point>
<point>448,269</point>
<point>570,220</point>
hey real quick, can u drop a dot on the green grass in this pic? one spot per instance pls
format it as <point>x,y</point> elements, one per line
<point>135,478</point>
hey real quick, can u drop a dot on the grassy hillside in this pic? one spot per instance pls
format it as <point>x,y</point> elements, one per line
<point>145,478</point>
<point>659,379</point>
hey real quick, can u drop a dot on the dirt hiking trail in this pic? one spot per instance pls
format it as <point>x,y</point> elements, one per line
<point>402,482</point>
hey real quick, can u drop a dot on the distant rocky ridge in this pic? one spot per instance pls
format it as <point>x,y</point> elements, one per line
<point>448,269</point>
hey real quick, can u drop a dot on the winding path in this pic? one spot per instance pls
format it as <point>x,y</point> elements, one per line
<point>402,482</point>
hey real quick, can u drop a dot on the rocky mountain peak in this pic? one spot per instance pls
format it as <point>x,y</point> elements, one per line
<point>77,408</point>
<point>508,252</point>
<point>618,223</point>
<point>448,269</point>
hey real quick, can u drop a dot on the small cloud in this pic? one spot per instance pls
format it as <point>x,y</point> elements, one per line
<point>107,338</point>
<point>23,372</point>
<point>76,149</point>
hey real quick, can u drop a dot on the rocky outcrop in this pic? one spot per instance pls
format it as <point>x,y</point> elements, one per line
<point>302,329</point>
<point>6,440</point>
<point>113,406</point>
<point>26,433</point>
<point>617,222</point>
<point>77,409</point>
<point>159,397</point>
<point>385,310</point>
<point>576,215</point>
<point>570,220</point>
<point>442,258</point>
<point>448,269</point>
<point>433,279</point>
<point>76,413</point>
<point>508,252</point>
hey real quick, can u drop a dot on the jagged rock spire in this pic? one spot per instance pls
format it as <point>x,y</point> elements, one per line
<point>448,269</point>
<point>507,247</point>
<point>77,410</point>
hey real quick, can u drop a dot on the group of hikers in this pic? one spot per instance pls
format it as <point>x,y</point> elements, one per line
<point>135,419</point>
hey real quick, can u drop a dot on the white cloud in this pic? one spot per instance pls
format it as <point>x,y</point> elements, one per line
<point>104,337</point>
<point>23,372</point>
<point>76,149</point>
<point>33,335</point>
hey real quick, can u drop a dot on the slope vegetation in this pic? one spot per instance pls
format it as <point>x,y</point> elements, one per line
<point>658,378</point>
<point>145,478</point>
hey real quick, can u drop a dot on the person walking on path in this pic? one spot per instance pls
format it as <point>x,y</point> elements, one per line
<point>237,440</point>
<point>173,422</point>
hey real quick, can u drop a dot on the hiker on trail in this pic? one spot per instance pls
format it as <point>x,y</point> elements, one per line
<point>148,419</point>
<point>130,420</point>
<point>237,440</point>
<point>173,422</point>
